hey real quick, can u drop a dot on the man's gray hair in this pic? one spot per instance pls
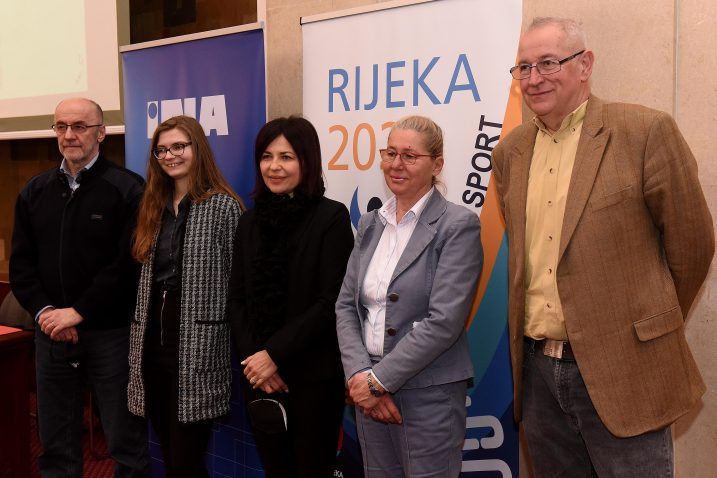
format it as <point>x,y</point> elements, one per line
<point>574,33</point>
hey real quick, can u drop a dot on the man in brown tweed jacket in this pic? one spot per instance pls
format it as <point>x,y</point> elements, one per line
<point>610,239</point>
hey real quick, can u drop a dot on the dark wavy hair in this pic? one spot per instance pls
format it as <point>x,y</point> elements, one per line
<point>304,139</point>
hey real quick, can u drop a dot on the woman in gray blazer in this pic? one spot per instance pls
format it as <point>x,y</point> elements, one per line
<point>401,313</point>
<point>180,362</point>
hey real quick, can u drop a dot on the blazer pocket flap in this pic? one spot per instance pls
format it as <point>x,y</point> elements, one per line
<point>659,325</point>
<point>613,198</point>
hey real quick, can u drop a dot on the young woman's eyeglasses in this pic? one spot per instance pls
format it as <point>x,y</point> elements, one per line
<point>177,149</point>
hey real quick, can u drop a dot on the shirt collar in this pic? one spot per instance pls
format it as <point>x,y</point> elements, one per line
<point>569,122</point>
<point>66,171</point>
<point>387,213</point>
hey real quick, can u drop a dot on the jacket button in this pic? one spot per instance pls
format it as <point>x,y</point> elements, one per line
<point>391,331</point>
<point>393,297</point>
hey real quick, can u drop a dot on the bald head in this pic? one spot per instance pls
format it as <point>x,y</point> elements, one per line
<point>79,141</point>
<point>98,117</point>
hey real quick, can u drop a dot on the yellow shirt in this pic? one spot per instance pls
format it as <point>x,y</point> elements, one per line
<point>548,183</point>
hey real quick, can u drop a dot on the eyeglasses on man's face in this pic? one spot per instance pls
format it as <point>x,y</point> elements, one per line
<point>544,67</point>
<point>177,149</point>
<point>408,157</point>
<point>78,128</point>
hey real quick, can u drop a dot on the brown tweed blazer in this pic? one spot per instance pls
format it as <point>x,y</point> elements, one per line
<point>636,244</point>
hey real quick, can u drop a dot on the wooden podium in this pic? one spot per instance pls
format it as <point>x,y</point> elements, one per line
<point>16,348</point>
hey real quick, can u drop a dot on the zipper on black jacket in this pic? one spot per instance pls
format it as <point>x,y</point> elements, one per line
<point>62,237</point>
<point>161,319</point>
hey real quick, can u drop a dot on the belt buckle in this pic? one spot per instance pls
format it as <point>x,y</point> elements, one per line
<point>553,348</point>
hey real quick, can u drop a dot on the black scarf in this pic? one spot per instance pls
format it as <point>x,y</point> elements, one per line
<point>276,217</point>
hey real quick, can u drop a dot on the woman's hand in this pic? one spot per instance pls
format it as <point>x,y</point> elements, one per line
<point>259,368</point>
<point>359,392</point>
<point>274,384</point>
<point>385,410</point>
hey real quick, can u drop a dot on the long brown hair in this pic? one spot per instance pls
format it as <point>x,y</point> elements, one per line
<point>205,180</point>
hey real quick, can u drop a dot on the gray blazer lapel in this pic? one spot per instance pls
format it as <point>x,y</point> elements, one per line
<point>423,234</point>
<point>371,236</point>
<point>588,157</point>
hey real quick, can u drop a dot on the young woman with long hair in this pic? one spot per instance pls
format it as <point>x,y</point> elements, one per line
<point>180,368</point>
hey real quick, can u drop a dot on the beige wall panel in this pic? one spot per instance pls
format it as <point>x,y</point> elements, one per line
<point>696,113</point>
<point>633,45</point>
<point>284,49</point>
<point>697,83</point>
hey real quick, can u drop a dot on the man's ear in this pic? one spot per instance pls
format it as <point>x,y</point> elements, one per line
<point>587,60</point>
<point>101,133</point>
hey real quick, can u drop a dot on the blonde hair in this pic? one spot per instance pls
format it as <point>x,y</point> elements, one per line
<point>432,136</point>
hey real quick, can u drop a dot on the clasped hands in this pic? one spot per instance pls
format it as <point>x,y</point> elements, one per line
<point>381,409</point>
<point>261,371</point>
<point>60,324</point>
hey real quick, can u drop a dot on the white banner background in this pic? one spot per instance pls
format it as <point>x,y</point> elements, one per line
<point>474,39</point>
<point>447,60</point>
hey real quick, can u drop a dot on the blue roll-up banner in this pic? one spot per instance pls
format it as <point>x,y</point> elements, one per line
<point>219,80</point>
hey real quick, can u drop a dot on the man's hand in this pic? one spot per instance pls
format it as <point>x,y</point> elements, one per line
<point>67,335</point>
<point>57,322</point>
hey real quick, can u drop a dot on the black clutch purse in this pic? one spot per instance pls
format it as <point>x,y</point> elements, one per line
<point>267,415</point>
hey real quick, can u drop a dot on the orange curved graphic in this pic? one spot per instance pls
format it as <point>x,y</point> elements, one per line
<point>492,222</point>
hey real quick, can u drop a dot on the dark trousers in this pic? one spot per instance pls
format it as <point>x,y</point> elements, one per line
<point>100,360</point>
<point>565,435</point>
<point>308,449</point>
<point>184,445</point>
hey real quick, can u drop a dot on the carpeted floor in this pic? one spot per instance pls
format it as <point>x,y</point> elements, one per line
<point>96,464</point>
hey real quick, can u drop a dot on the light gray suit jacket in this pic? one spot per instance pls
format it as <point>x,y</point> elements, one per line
<point>429,299</point>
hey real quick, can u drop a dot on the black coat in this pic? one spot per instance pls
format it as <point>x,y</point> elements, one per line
<point>73,249</point>
<point>305,347</point>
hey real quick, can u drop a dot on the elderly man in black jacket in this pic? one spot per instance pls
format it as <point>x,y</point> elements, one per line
<point>71,268</point>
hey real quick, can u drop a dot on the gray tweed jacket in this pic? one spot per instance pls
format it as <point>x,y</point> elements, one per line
<point>204,354</point>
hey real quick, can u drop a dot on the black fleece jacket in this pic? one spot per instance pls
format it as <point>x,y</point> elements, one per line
<point>73,249</point>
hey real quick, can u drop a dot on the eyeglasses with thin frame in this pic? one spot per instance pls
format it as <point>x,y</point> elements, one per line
<point>389,155</point>
<point>78,128</point>
<point>544,67</point>
<point>177,149</point>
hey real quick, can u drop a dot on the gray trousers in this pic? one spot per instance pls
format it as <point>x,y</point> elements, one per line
<point>429,442</point>
<point>566,437</point>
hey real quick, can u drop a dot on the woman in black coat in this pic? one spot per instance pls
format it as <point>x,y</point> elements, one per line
<point>290,256</point>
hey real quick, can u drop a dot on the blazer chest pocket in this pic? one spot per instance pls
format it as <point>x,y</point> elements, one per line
<point>659,325</point>
<point>611,199</point>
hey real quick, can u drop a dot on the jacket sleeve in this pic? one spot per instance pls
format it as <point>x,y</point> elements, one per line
<point>117,282</point>
<point>678,208</point>
<point>460,262</point>
<point>24,274</point>
<point>236,306</point>
<point>497,179</point>
<point>354,356</point>
<point>301,333</point>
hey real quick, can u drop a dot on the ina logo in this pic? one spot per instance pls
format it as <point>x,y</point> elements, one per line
<point>212,113</point>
